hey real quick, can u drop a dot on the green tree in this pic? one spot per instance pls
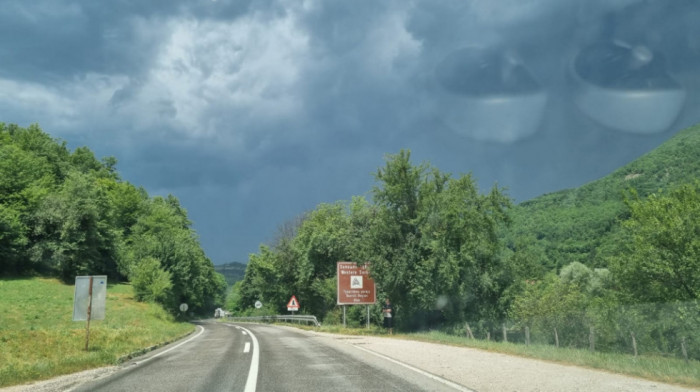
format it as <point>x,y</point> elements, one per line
<point>151,282</point>
<point>552,303</point>
<point>12,240</point>
<point>163,233</point>
<point>83,159</point>
<point>322,240</point>
<point>660,259</point>
<point>435,250</point>
<point>262,282</point>
<point>72,231</point>
<point>431,241</point>
<point>38,143</point>
<point>25,180</point>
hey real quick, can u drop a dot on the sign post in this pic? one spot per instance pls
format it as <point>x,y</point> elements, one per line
<point>89,301</point>
<point>367,316</point>
<point>355,286</point>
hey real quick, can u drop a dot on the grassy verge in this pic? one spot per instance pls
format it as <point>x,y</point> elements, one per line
<point>39,340</point>
<point>655,368</point>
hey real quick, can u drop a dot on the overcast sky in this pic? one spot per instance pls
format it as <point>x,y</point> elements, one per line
<point>252,112</point>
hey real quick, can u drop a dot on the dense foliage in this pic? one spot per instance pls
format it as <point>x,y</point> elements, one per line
<point>612,259</point>
<point>660,257</point>
<point>67,213</point>
<point>431,241</point>
<point>632,238</point>
<point>582,224</point>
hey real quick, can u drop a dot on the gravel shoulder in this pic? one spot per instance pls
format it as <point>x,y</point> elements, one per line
<point>485,371</point>
<point>63,383</point>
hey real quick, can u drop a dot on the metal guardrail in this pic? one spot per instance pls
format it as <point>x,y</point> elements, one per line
<point>285,318</point>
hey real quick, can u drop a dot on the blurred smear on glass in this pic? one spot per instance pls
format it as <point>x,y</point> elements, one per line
<point>626,87</point>
<point>489,95</point>
<point>582,68</point>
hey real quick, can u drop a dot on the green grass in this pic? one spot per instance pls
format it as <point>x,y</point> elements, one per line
<point>655,368</point>
<point>39,340</point>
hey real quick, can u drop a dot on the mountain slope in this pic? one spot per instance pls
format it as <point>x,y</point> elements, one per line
<point>581,224</point>
<point>233,272</point>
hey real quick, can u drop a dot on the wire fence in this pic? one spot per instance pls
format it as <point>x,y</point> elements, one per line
<point>668,329</point>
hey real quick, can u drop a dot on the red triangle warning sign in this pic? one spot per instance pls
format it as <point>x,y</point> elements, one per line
<point>293,304</point>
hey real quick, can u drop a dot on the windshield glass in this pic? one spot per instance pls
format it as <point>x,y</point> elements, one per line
<point>520,171</point>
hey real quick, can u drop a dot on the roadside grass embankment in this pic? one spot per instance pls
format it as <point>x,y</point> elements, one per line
<point>650,367</point>
<point>39,340</point>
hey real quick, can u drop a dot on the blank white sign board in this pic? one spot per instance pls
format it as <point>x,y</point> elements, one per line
<point>82,297</point>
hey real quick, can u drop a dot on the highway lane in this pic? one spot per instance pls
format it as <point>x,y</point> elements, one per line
<point>294,361</point>
<point>213,359</point>
<point>258,357</point>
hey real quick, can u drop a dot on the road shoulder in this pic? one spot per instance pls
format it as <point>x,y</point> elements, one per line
<point>486,371</point>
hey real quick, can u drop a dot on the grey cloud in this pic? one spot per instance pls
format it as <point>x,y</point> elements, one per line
<point>264,109</point>
<point>50,40</point>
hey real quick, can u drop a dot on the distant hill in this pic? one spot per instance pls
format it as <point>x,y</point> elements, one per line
<point>233,272</point>
<point>581,224</point>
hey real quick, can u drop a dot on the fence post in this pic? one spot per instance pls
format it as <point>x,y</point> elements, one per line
<point>488,336</point>
<point>527,336</point>
<point>683,349</point>
<point>634,344</point>
<point>505,333</point>
<point>591,339</point>
<point>469,331</point>
<point>556,337</point>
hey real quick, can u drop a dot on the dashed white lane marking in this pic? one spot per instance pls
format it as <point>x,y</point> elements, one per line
<point>244,333</point>
<point>246,349</point>
<point>252,381</point>
<point>424,373</point>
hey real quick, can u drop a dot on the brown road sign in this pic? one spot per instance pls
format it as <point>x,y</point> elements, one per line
<point>355,287</point>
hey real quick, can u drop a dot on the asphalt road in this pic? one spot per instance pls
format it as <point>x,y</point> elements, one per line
<point>253,357</point>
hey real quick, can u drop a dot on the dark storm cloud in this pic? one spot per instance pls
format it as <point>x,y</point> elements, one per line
<point>252,112</point>
<point>55,39</point>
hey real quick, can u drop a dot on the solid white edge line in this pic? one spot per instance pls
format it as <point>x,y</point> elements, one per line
<point>424,373</point>
<point>201,330</point>
<point>246,349</point>
<point>252,382</point>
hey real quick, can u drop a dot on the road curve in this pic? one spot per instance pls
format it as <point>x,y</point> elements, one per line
<point>292,360</point>
<point>212,359</point>
<point>253,357</point>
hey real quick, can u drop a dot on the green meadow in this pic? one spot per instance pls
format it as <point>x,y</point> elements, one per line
<point>39,340</point>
